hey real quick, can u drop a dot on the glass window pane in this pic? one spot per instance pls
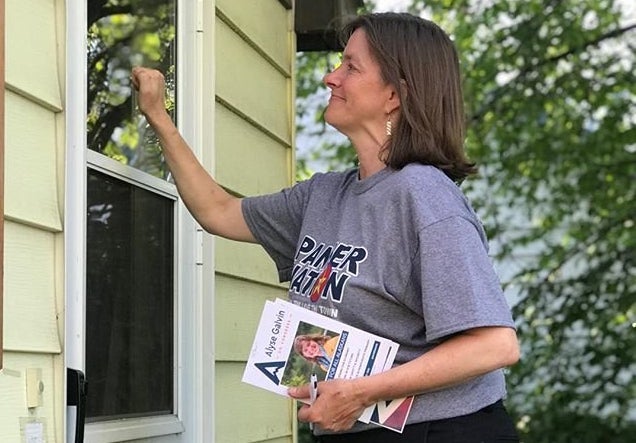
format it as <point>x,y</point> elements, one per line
<point>129,299</point>
<point>123,34</point>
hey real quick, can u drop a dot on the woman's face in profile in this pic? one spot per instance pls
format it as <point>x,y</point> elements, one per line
<point>310,349</point>
<point>359,95</point>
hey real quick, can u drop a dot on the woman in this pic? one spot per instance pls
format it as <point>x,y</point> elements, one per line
<point>392,246</point>
<point>316,348</point>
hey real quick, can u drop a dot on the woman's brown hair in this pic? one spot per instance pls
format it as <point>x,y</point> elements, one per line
<point>318,338</point>
<point>420,61</point>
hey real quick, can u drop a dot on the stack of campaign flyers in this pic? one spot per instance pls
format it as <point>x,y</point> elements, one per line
<point>277,360</point>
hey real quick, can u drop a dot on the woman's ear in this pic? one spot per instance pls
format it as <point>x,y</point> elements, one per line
<point>394,99</point>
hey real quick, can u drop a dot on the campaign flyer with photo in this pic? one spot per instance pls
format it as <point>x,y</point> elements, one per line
<point>292,342</point>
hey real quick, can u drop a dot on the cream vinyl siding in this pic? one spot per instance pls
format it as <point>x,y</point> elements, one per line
<point>257,416</point>
<point>246,261</point>
<point>236,318</point>
<point>33,182</point>
<point>253,415</point>
<point>30,314</point>
<point>254,53</point>
<point>31,186</point>
<point>252,159</point>
<point>32,51</point>
<point>265,23</point>
<point>13,404</point>
<point>250,84</point>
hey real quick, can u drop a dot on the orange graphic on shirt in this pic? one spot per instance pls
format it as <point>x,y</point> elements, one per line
<point>321,281</point>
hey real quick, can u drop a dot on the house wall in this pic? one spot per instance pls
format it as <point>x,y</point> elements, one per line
<point>254,115</point>
<point>33,219</point>
<point>253,154</point>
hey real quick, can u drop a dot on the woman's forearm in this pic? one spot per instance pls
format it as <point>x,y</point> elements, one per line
<point>214,208</point>
<point>460,358</point>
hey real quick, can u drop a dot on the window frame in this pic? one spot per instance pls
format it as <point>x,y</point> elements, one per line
<point>194,338</point>
<point>2,23</point>
<point>129,175</point>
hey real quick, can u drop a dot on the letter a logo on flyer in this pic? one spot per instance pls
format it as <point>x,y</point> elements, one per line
<point>267,367</point>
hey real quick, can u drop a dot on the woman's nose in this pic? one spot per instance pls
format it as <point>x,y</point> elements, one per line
<point>330,79</point>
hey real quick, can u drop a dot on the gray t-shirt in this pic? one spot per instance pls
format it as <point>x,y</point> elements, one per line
<point>403,255</point>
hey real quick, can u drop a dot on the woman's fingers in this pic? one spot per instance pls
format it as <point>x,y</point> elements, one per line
<point>150,86</point>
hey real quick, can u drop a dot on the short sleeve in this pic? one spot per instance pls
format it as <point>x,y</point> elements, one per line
<point>460,289</point>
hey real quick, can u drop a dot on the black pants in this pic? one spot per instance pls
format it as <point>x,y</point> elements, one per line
<point>491,424</point>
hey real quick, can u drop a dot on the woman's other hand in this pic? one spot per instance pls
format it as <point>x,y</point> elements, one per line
<point>337,407</point>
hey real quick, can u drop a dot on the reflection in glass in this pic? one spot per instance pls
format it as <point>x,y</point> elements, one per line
<point>123,34</point>
<point>129,300</point>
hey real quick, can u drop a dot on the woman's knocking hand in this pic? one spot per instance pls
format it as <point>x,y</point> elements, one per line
<point>151,86</point>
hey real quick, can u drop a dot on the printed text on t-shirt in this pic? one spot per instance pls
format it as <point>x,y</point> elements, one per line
<point>322,271</point>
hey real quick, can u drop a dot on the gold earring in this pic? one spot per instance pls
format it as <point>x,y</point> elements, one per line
<point>389,126</point>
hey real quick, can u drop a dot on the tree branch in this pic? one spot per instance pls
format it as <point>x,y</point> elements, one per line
<point>497,93</point>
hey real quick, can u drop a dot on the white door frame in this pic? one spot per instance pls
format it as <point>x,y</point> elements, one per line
<point>194,310</point>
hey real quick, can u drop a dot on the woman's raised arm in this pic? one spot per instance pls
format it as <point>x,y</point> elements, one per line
<point>217,211</point>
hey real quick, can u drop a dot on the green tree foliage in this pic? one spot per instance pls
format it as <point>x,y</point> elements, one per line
<point>123,34</point>
<point>551,104</point>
